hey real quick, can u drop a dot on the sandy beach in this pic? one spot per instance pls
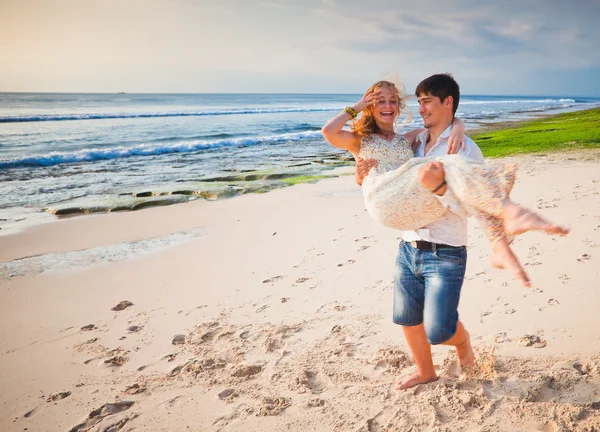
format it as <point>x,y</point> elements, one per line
<point>272,312</point>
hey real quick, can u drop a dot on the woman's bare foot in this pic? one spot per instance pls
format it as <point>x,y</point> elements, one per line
<point>503,258</point>
<point>518,220</point>
<point>414,380</point>
<point>464,352</point>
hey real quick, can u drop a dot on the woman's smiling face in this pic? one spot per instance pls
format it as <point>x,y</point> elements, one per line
<point>387,106</point>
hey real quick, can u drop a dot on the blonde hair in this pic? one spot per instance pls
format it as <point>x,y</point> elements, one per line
<point>365,125</point>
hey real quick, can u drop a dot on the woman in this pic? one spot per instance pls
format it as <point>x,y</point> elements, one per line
<point>394,192</point>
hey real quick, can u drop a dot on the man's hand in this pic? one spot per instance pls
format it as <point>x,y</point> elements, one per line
<point>432,175</point>
<point>362,169</point>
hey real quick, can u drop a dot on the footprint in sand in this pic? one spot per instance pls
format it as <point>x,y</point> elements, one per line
<point>501,338</point>
<point>178,339</point>
<point>339,308</point>
<point>302,280</point>
<point>228,395</point>
<point>135,389</point>
<point>196,308</point>
<point>118,360</point>
<point>274,406</point>
<point>262,308</point>
<point>122,306</point>
<point>89,327</point>
<point>350,261</point>
<point>584,257</point>
<point>247,371</point>
<point>134,329</point>
<point>273,279</point>
<point>58,396</point>
<point>101,413</point>
<point>532,340</point>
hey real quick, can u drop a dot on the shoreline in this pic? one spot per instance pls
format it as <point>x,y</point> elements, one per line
<point>248,182</point>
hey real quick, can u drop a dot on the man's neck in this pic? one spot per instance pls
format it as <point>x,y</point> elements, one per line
<point>434,133</point>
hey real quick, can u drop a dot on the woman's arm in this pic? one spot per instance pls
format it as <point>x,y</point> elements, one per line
<point>333,133</point>
<point>456,140</point>
<point>411,136</point>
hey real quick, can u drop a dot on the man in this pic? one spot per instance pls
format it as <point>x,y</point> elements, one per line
<point>431,261</point>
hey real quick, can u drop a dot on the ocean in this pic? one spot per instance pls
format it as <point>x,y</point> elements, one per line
<point>85,153</point>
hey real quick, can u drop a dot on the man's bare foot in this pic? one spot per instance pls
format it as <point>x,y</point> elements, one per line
<point>503,258</point>
<point>414,380</point>
<point>518,220</point>
<point>464,352</point>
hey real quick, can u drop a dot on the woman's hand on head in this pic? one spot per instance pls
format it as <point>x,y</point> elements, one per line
<point>369,98</point>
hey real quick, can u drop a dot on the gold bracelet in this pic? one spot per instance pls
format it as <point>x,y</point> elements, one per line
<point>351,112</point>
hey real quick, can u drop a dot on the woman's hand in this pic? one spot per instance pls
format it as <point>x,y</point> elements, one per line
<point>456,140</point>
<point>369,98</point>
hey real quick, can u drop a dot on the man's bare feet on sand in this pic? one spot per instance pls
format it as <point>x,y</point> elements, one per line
<point>464,352</point>
<point>503,258</point>
<point>414,380</point>
<point>518,220</point>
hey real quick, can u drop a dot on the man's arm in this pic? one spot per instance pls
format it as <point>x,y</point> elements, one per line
<point>362,169</point>
<point>449,200</point>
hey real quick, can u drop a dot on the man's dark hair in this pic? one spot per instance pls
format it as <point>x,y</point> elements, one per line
<point>441,86</point>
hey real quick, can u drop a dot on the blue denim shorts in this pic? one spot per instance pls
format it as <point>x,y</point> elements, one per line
<point>427,287</point>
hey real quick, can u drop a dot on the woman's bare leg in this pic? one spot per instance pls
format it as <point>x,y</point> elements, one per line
<point>518,220</point>
<point>504,258</point>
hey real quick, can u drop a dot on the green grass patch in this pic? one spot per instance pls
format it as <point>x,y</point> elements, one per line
<point>576,130</point>
<point>306,179</point>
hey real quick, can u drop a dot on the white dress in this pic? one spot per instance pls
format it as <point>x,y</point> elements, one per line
<point>395,198</point>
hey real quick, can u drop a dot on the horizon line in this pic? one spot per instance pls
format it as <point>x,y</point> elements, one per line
<point>276,93</point>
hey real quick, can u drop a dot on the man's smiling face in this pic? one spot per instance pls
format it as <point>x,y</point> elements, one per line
<point>433,110</point>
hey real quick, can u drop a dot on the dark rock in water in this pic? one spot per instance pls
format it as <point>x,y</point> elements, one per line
<point>152,203</point>
<point>299,165</point>
<point>211,196</point>
<point>122,305</point>
<point>225,178</point>
<point>120,208</point>
<point>67,211</point>
<point>143,194</point>
<point>277,176</point>
<point>178,339</point>
<point>184,192</point>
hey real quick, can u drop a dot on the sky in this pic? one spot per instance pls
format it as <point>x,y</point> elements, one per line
<point>503,47</point>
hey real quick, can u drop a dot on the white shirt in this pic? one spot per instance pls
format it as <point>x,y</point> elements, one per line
<point>451,228</point>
